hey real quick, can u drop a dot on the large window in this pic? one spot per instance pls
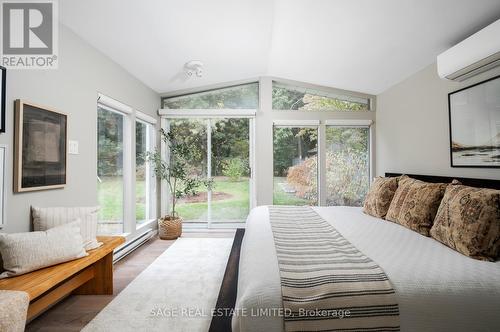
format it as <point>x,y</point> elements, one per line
<point>245,96</point>
<point>145,181</point>
<point>217,123</point>
<point>347,165</point>
<point>319,138</point>
<point>127,201</point>
<point>110,170</point>
<point>295,165</point>
<point>288,97</point>
<point>343,165</point>
<point>221,149</point>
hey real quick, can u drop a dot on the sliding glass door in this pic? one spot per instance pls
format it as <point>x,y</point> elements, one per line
<point>230,169</point>
<point>221,151</point>
<point>295,165</point>
<point>145,179</point>
<point>110,170</point>
<point>194,133</point>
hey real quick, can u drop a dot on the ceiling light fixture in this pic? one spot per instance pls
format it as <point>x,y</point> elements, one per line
<point>194,67</point>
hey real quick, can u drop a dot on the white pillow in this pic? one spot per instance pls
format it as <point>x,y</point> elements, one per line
<point>46,218</point>
<point>26,252</point>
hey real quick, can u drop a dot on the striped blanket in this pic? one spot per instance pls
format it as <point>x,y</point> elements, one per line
<point>327,284</point>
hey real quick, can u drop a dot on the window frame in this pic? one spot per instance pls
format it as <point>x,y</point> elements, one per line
<point>313,124</point>
<point>165,119</point>
<point>130,230</point>
<point>151,185</point>
<point>105,104</point>
<point>205,90</point>
<point>262,131</point>
<point>322,89</point>
<point>321,126</point>
<point>349,123</point>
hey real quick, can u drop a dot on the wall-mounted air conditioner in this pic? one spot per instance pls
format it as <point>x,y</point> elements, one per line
<point>476,54</point>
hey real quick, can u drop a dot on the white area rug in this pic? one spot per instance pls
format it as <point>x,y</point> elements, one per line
<point>177,292</point>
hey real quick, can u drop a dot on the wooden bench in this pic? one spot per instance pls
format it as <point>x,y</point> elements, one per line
<point>91,275</point>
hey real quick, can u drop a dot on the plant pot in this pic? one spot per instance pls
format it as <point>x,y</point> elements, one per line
<point>169,228</point>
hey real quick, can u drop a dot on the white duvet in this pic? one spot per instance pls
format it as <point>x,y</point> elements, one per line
<point>438,289</point>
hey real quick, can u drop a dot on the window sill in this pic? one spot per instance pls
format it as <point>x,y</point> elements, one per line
<point>145,224</point>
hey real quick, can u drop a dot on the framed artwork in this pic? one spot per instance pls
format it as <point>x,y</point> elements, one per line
<point>474,114</point>
<point>3,157</point>
<point>3,83</point>
<point>40,148</point>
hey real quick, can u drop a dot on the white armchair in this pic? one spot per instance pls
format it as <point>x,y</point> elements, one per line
<point>13,310</point>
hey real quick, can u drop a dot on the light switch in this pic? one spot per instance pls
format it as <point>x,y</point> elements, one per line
<point>73,147</point>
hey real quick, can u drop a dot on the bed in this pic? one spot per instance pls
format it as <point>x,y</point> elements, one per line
<point>437,288</point>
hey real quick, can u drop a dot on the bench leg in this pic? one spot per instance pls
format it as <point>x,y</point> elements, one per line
<point>43,302</point>
<point>102,283</point>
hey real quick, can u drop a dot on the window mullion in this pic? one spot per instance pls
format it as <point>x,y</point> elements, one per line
<point>165,152</point>
<point>209,171</point>
<point>147,182</point>
<point>128,175</point>
<point>321,165</point>
<point>152,190</point>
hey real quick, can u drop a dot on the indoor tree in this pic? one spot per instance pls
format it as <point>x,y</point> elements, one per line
<point>175,170</point>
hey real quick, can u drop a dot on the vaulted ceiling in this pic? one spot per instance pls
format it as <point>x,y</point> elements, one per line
<point>360,45</point>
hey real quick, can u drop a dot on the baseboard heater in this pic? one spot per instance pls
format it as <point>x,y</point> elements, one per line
<point>128,247</point>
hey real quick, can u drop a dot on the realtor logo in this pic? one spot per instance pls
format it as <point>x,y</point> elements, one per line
<point>29,34</point>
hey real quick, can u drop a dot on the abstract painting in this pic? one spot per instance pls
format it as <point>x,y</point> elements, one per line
<point>3,160</point>
<point>3,82</point>
<point>40,148</point>
<point>475,125</point>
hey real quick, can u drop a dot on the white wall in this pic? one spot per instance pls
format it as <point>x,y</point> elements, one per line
<point>83,72</point>
<point>413,130</point>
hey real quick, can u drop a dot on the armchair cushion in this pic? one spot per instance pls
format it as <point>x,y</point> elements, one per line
<point>13,310</point>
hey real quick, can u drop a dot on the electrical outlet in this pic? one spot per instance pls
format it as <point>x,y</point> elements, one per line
<point>73,147</point>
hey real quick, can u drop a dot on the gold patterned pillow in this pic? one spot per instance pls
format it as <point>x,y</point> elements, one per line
<point>468,220</point>
<point>379,197</point>
<point>415,204</point>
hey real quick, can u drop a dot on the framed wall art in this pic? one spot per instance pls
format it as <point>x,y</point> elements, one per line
<point>474,114</point>
<point>3,83</point>
<point>3,159</point>
<point>40,148</point>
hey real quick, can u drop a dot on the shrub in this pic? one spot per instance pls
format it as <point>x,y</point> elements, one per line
<point>234,168</point>
<point>346,178</point>
<point>303,178</point>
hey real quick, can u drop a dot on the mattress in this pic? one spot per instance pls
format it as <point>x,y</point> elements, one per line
<point>438,289</point>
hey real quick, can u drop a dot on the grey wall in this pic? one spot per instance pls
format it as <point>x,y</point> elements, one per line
<point>412,126</point>
<point>83,72</point>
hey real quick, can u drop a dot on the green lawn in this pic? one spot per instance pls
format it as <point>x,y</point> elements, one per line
<point>280,197</point>
<point>233,208</point>
<point>110,198</point>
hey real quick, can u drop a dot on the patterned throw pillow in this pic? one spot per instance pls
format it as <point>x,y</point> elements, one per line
<point>415,204</point>
<point>379,197</point>
<point>468,221</point>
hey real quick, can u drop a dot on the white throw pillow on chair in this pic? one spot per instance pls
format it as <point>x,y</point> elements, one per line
<point>46,218</point>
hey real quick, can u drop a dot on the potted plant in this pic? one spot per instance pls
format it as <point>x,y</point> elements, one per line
<point>175,172</point>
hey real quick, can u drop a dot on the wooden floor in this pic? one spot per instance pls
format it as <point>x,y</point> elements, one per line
<point>74,312</point>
